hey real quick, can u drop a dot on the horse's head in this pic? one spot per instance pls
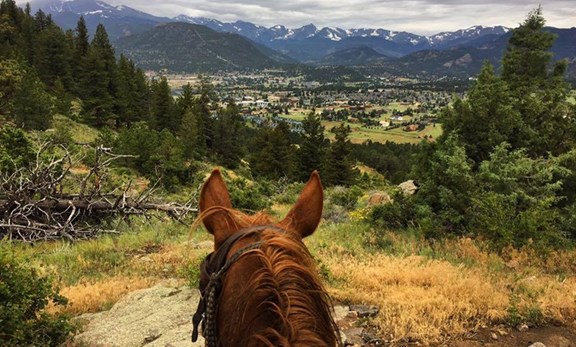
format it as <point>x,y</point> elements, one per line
<point>261,282</point>
<point>221,221</point>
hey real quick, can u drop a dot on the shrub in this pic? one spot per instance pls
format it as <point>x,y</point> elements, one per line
<point>16,150</point>
<point>398,214</point>
<point>24,294</point>
<point>346,197</point>
<point>289,193</point>
<point>249,195</point>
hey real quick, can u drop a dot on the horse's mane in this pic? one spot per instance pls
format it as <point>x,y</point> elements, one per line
<point>286,289</point>
<point>294,294</point>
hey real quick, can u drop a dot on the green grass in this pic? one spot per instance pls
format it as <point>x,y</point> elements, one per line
<point>398,135</point>
<point>361,134</point>
<point>109,255</point>
<point>81,133</point>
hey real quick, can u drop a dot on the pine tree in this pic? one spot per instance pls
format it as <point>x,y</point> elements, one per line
<point>275,156</point>
<point>540,92</point>
<point>133,94</point>
<point>190,136</point>
<point>102,47</point>
<point>9,31</point>
<point>97,103</point>
<point>80,55</point>
<point>313,147</point>
<point>81,42</point>
<point>11,75</point>
<point>51,57</point>
<point>126,84</point>
<point>98,83</point>
<point>227,144</point>
<point>62,102</point>
<point>339,167</point>
<point>203,108</point>
<point>485,119</point>
<point>186,100</point>
<point>162,106</point>
<point>32,104</point>
<point>28,35</point>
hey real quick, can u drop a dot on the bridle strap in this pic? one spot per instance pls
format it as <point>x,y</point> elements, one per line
<point>212,270</point>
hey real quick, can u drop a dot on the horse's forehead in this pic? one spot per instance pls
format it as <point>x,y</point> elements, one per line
<point>254,234</point>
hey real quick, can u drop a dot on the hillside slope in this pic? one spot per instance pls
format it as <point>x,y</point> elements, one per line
<point>191,48</point>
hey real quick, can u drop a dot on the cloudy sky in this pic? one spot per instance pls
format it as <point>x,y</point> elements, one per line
<point>416,16</point>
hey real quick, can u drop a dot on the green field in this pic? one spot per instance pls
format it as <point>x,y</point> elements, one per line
<point>361,134</point>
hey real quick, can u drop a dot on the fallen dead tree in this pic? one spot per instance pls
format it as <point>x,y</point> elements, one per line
<point>34,203</point>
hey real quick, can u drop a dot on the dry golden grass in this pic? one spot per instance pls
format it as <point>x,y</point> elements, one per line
<point>454,289</point>
<point>419,299</point>
<point>87,297</point>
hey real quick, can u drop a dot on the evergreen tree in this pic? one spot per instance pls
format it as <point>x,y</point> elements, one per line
<point>485,119</point>
<point>51,57</point>
<point>203,108</point>
<point>32,104</point>
<point>11,75</point>
<point>41,20</point>
<point>275,157</point>
<point>81,41</point>
<point>227,144</point>
<point>162,106</point>
<point>16,150</point>
<point>169,160</point>
<point>97,103</point>
<point>81,45</point>
<point>62,102</point>
<point>140,94</point>
<point>192,141</point>
<point>101,47</point>
<point>98,83</point>
<point>313,147</point>
<point>133,94</point>
<point>197,124</point>
<point>126,84</point>
<point>140,140</point>
<point>185,101</point>
<point>28,36</point>
<point>9,35</point>
<point>339,167</point>
<point>496,169</point>
<point>539,91</point>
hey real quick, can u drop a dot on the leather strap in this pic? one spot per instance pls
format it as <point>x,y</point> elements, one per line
<point>215,266</point>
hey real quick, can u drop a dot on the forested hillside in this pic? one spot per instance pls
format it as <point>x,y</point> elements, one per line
<point>193,48</point>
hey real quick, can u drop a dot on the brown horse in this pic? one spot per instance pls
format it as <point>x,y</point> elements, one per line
<point>260,286</point>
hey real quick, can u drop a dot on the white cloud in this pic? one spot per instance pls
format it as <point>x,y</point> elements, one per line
<point>417,16</point>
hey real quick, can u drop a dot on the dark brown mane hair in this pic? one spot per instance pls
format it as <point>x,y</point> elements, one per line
<point>271,296</point>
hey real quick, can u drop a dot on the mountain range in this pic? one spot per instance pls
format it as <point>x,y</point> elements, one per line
<point>153,43</point>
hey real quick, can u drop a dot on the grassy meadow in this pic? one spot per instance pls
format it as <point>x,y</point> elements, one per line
<point>361,134</point>
<point>426,292</point>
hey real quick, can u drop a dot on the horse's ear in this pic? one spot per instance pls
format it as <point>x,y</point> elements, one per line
<point>214,195</point>
<point>305,215</point>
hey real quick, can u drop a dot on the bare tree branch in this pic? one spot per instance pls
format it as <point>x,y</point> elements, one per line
<point>33,205</point>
